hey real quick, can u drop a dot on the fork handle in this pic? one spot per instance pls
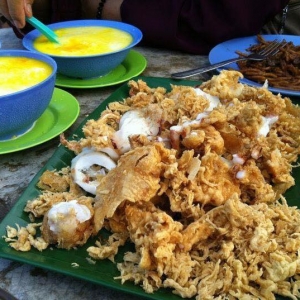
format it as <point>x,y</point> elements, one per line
<point>197,71</point>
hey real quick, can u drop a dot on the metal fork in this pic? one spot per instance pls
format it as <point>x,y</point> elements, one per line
<point>268,51</point>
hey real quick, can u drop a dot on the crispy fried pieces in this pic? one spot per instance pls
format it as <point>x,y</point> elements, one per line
<point>200,198</point>
<point>234,249</point>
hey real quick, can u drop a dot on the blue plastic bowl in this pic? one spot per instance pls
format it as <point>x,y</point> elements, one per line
<point>19,111</point>
<point>88,66</point>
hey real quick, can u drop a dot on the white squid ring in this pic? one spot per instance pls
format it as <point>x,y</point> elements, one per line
<point>84,161</point>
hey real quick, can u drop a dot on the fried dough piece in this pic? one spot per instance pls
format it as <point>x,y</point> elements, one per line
<point>204,139</point>
<point>40,205</point>
<point>136,178</point>
<point>55,181</point>
<point>65,228</point>
<point>226,85</point>
<point>59,182</point>
<point>155,234</point>
<point>213,184</point>
<point>96,133</point>
<point>253,185</point>
<point>159,245</point>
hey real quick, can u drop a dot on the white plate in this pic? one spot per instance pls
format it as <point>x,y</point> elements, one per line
<point>227,50</point>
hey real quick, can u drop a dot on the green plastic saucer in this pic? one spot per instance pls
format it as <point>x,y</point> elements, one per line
<point>61,113</point>
<point>133,65</point>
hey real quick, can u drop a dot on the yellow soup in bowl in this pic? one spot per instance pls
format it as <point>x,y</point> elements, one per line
<point>84,41</point>
<point>19,73</point>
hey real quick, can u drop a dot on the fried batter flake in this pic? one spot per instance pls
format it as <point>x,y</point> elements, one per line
<point>23,238</point>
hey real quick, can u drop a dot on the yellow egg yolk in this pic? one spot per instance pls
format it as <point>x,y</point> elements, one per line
<point>84,41</point>
<point>19,73</point>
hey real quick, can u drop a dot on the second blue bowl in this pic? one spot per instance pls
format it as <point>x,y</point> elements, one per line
<point>93,65</point>
<point>19,110</point>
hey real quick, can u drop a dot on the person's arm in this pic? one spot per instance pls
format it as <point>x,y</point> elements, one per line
<point>197,25</point>
<point>189,25</point>
<point>111,9</point>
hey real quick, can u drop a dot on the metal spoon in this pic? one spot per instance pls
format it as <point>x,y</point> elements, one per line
<point>50,34</point>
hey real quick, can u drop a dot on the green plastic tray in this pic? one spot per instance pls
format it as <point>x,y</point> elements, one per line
<point>60,260</point>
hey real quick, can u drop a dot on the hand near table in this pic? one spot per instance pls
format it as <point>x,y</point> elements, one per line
<point>15,11</point>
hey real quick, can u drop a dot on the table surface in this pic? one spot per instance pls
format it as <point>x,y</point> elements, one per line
<point>17,169</point>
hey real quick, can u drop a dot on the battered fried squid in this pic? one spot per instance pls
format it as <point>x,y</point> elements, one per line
<point>197,188</point>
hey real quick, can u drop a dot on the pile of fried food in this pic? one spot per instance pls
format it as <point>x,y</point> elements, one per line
<point>282,70</point>
<point>194,177</point>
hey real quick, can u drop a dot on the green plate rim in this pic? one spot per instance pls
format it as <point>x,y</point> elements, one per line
<point>63,107</point>
<point>134,64</point>
<point>59,260</point>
